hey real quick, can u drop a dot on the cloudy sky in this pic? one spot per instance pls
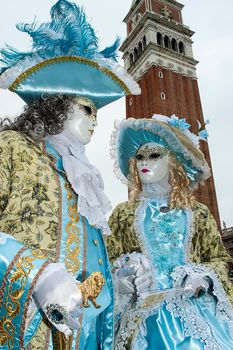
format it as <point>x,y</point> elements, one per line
<point>213,47</point>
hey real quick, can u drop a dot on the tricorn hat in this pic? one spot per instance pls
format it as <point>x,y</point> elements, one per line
<point>65,59</point>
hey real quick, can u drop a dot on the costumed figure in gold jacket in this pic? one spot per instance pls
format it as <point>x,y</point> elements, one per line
<point>169,264</point>
<point>55,282</point>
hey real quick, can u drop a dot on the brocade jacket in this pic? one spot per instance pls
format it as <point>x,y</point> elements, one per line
<point>39,214</point>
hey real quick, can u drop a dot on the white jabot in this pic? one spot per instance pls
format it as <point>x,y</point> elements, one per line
<point>156,189</point>
<point>84,178</point>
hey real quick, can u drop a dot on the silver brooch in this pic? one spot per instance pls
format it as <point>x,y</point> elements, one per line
<point>57,314</point>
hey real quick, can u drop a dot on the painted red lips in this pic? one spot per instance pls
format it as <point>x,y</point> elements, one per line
<point>145,171</point>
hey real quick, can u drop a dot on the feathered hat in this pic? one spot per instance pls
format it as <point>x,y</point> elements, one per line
<point>171,133</point>
<point>65,58</point>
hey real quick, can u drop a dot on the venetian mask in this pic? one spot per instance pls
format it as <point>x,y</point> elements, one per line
<point>152,162</point>
<point>82,120</point>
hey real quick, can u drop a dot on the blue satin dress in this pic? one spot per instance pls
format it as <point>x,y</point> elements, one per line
<point>185,324</point>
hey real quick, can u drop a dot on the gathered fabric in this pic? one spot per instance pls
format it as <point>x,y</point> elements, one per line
<point>84,178</point>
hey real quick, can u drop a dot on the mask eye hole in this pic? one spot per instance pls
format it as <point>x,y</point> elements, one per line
<point>154,155</point>
<point>139,157</point>
<point>87,110</point>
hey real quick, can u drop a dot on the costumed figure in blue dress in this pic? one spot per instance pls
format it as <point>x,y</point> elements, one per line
<point>55,282</point>
<point>170,267</point>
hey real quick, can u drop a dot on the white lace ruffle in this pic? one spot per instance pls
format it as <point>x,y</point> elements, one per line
<point>132,318</point>
<point>194,325</point>
<point>84,178</point>
<point>224,309</point>
<point>149,125</point>
<point>8,77</point>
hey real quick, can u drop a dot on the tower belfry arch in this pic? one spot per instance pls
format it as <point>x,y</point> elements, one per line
<point>158,53</point>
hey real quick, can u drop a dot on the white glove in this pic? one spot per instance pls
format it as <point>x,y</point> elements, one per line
<point>59,297</point>
<point>194,286</point>
<point>133,273</point>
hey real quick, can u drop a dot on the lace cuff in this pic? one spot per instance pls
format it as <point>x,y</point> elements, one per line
<point>224,307</point>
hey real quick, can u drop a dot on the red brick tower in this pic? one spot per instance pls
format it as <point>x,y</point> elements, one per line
<point>158,53</point>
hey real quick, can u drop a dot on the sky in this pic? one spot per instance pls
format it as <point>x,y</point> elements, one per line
<point>213,48</point>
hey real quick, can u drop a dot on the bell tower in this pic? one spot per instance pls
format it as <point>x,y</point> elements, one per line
<point>158,53</point>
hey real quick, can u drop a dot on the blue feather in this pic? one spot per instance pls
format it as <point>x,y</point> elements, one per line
<point>68,33</point>
<point>111,51</point>
<point>43,35</point>
<point>10,56</point>
<point>77,31</point>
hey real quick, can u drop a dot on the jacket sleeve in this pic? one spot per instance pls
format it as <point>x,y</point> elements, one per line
<point>209,259</point>
<point>5,174</point>
<point>213,252</point>
<point>19,273</point>
<point>114,241</point>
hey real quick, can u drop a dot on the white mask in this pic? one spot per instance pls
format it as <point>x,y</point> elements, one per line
<point>82,121</point>
<point>152,163</point>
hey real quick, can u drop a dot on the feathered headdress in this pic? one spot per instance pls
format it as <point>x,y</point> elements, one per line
<point>65,58</point>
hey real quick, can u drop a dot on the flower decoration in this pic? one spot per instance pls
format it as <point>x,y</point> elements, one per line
<point>202,132</point>
<point>203,135</point>
<point>179,123</point>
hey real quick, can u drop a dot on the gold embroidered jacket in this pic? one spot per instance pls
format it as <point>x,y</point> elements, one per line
<point>39,209</point>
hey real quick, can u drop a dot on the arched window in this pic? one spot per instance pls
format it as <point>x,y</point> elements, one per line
<point>159,39</point>
<point>174,45</point>
<point>163,96</point>
<point>144,42</point>
<point>167,42</point>
<point>131,59</point>
<point>181,47</point>
<point>139,48</point>
<point>160,74</point>
<point>135,54</point>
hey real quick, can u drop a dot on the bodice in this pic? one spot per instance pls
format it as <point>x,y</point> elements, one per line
<point>164,235</point>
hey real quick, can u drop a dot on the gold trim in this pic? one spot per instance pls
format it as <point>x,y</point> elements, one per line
<point>61,59</point>
<point>73,240</point>
<point>24,267</point>
<point>8,272</point>
<point>61,342</point>
<point>83,278</point>
<point>28,301</point>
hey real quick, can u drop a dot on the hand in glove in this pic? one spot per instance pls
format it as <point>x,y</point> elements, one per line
<point>58,295</point>
<point>133,273</point>
<point>194,287</point>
